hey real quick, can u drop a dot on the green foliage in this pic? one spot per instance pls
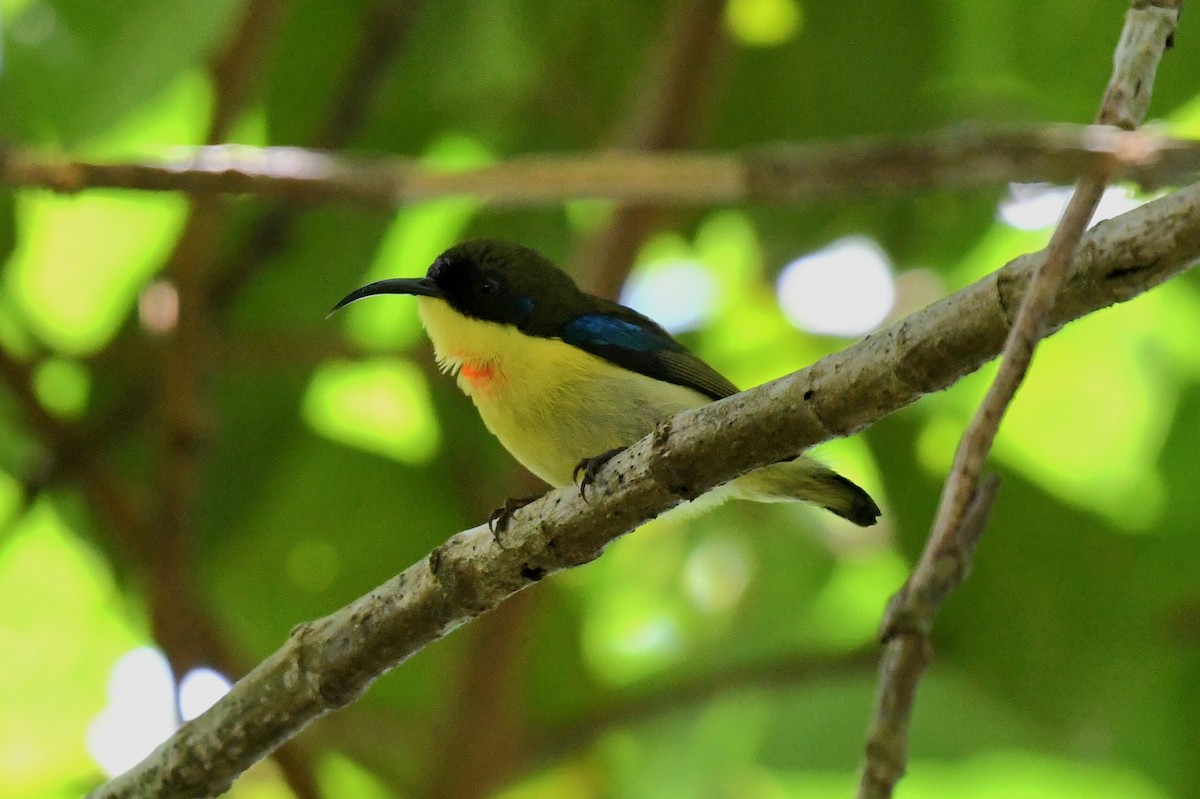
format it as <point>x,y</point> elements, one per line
<point>73,68</point>
<point>714,657</point>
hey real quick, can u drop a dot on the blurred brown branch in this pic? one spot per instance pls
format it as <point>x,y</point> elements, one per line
<point>154,532</point>
<point>800,174</point>
<point>670,106</point>
<point>193,637</point>
<point>384,29</point>
<point>966,502</point>
<point>657,699</point>
<point>328,663</point>
<point>671,94</point>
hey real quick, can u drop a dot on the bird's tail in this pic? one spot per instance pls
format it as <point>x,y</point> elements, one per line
<point>806,480</point>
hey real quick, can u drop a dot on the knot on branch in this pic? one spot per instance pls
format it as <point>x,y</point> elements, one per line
<point>907,613</point>
<point>306,674</point>
<point>465,583</point>
<point>675,477</point>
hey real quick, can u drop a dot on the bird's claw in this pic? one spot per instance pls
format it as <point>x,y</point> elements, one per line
<point>590,467</point>
<point>499,518</point>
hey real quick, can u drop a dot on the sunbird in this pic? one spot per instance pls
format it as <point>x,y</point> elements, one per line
<point>566,380</point>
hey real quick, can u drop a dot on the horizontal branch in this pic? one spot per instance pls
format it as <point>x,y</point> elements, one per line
<point>958,158</point>
<point>329,662</point>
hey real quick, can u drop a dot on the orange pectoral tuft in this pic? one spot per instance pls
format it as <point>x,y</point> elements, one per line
<point>478,373</point>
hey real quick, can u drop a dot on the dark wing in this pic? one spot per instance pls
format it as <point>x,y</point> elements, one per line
<point>627,339</point>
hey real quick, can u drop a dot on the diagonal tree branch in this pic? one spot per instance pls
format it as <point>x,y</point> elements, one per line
<point>327,663</point>
<point>802,174</point>
<point>965,502</point>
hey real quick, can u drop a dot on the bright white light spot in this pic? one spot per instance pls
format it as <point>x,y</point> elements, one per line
<point>1036,206</point>
<point>199,690</point>
<point>1115,201</point>
<point>158,307</point>
<point>140,714</point>
<point>846,289</point>
<point>716,574</point>
<point>679,295</point>
<point>1033,206</point>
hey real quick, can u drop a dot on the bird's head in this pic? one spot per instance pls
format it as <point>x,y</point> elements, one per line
<point>491,281</point>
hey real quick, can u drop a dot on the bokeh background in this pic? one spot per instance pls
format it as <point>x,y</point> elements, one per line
<point>193,460</point>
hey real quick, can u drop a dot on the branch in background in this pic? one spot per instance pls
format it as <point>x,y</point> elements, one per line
<point>800,174</point>
<point>667,111</point>
<point>238,66</point>
<point>644,702</point>
<point>965,503</point>
<point>157,536</point>
<point>486,720</point>
<point>328,663</point>
<point>366,735</point>
<point>183,368</point>
<point>154,538</point>
<point>485,734</point>
<point>382,32</point>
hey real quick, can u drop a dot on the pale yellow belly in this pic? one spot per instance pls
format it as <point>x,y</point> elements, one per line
<point>550,428</point>
<point>550,404</point>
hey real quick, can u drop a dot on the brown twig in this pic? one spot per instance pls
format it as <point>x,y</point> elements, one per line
<point>908,651</point>
<point>484,736</point>
<point>238,65</point>
<point>188,633</point>
<point>802,174</point>
<point>382,32</point>
<point>487,735</point>
<point>647,702</point>
<point>667,111</point>
<point>180,622</point>
<point>183,361</point>
<point>328,663</point>
<point>965,503</point>
<point>202,290</point>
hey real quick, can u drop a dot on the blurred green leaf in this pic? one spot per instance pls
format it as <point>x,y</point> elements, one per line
<point>381,406</point>
<point>67,640</point>
<point>74,67</point>
<point>104,246</point>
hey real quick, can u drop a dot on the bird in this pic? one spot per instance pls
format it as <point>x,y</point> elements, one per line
<point>566,380</point>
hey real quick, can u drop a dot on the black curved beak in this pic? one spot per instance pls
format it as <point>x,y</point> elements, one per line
<point>421,286</point>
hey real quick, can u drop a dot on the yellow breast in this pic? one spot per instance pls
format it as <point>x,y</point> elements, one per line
<point>549,403</point>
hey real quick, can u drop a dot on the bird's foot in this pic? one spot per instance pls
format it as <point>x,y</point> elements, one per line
<point>590,467</point>
<point>499,518</point>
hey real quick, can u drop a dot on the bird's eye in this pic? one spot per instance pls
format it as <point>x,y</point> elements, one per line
<point>489,285</point>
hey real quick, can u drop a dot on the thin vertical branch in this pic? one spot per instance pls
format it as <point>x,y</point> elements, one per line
<point>965,503</point>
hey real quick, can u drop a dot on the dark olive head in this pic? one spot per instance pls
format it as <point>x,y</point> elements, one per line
<point>495,281</point>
